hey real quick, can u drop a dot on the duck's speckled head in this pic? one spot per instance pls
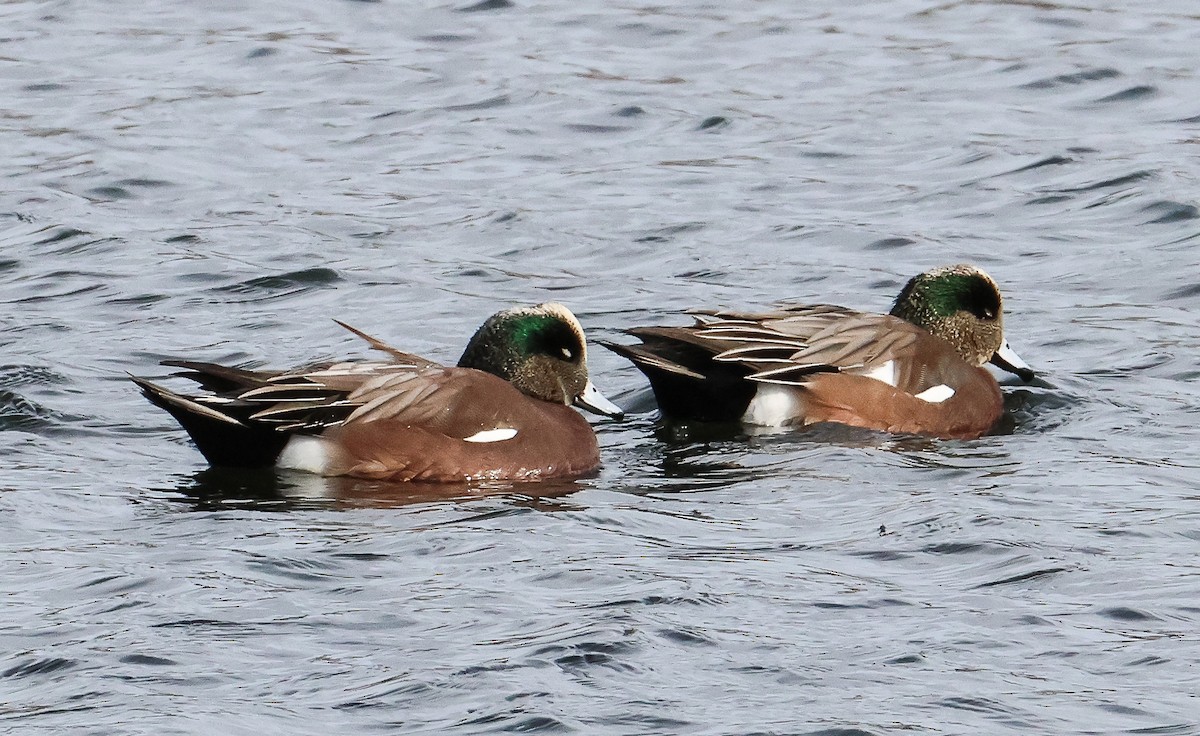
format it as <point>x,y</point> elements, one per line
<point>962,305</point>
<point>542,352</point>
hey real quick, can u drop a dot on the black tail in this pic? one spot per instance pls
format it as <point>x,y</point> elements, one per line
<point>223,435</point>
<point>687,382</point>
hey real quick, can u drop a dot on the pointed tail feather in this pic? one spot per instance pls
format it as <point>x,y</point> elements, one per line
<point>687,382</point>
<point>643,359</point>
<point>219,378</point>
<point>380,345</point>
<point>223,438</point>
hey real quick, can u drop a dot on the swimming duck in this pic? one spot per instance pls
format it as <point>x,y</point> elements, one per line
<point>503,413</point>
<point>915,370</point>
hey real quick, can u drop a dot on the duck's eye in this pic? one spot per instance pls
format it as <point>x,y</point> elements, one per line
<point>980,299</point>
<point>567,354</point>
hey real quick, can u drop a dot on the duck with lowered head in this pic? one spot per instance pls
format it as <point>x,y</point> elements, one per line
<point>915,370</point>
<point>503,413</point>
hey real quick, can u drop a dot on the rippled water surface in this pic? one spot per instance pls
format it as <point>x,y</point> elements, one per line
<point>207,180</point>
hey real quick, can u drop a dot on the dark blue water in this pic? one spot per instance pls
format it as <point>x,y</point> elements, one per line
<point>210,181</point>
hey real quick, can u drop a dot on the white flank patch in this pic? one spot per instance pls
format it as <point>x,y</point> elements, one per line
<point>773,406</point>
<point>310,454</point>
<point>936,394</point>
<point>492,435</point>
<point>885,373</point>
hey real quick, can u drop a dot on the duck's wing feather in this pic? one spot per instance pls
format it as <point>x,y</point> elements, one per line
<point>877,346</point>
<point>455,402</point>
<point>316,397</point>
<point>840,342</point>
<point>789,345</point>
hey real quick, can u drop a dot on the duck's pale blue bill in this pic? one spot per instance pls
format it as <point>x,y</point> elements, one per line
<point>1007,359</point>
<point>594,401</point>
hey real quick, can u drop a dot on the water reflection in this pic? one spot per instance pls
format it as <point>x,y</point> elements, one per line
<point>214,489</point>
<point>681,457</point>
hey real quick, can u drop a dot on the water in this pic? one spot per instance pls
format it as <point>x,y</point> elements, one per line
<point>210,181</point>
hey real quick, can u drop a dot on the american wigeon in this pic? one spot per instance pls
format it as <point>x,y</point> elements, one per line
<point>916,370</point>
<point>503,413</point>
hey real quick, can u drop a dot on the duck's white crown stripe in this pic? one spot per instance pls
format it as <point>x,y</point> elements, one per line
<point>492,435</point>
